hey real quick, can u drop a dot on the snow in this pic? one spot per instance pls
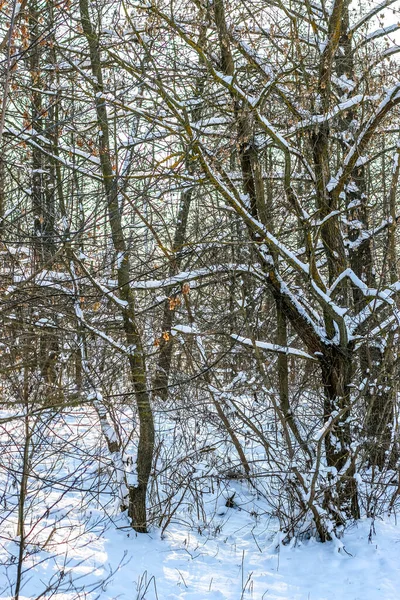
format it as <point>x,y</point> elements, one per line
<point>76,535</point>
<point>272,347</point>
<point>343,106</point>
<point>356,281</point>
<point>244,559</point>
<point>346,84</point>
<point>191,568</point>
<point>375,10</point>
<point>223,541</point>
<point>185,276</point>
<point>27,136</point>
<point>391,50</point>
<point>184,329</point>
<point>392,96</point>
<point>383,31</point>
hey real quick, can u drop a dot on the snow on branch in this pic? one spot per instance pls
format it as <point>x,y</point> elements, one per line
<point>365,290</point>
<point>368,234</point>
<point>337,182</point>
<point>383,31</point>
<point>369,15</point>
<point>336,110</point>
<point>376,303</point>
<point>197,274</point>
<point>273,347</point>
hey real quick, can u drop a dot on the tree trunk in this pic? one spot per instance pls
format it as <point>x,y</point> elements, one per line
<point>138,492</point>
<point>341,498</point>
<point>160,383</point>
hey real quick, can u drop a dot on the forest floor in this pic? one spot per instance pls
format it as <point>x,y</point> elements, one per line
<point>232,565</point>
<point>230,553</point>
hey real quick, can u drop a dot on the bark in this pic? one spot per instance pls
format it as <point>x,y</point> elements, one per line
<point>336,362</point>
<point>23,489</point>
<point>163,369</point>
<point>42,191</point>
<point>2,197</point>
<point>326,202</point>
<point>43,180</point>
<point>221,413</point>
<point>283,376</point>
<point>376,370</point>
<point>337,374</point>
<point>138,492</point>
<point>161,379</point>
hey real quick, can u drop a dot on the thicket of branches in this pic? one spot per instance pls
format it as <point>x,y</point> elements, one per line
<point>198,224</point>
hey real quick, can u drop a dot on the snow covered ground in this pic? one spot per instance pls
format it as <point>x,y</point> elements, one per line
<point>241,562</point>
<point>76,552</point>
